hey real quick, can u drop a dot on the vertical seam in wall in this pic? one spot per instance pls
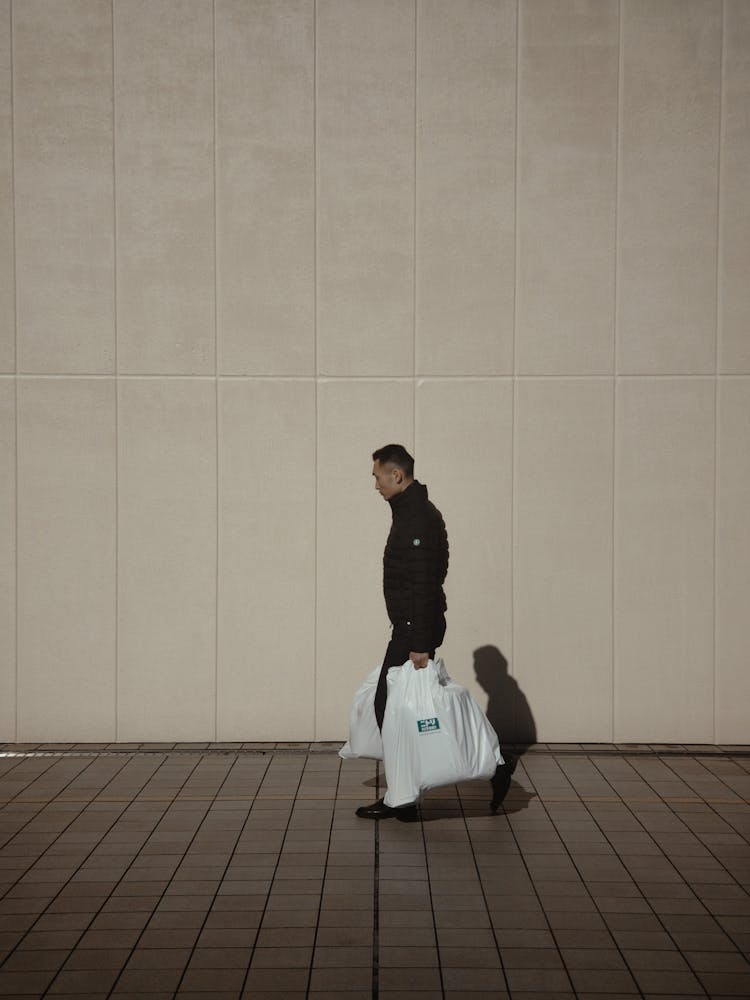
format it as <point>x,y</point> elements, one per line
<point>15,357</point>
<point>117,381</point>
<point>315,363</point>
<point>514,382</point>
<point>516,170</point>
<point>615,305</point>
<point>717,379</point>
<point>216,395</point>
<point>414,227</point>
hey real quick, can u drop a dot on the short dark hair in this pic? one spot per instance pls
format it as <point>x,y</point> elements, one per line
<point>395,454</point>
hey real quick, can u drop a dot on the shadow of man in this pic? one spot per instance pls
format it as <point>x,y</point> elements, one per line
<point>507,708</point>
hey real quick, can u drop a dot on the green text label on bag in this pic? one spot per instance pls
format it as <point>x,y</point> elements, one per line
<point>428,725</point>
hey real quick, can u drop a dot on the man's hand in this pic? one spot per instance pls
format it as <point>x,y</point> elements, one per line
<point>420,660</point>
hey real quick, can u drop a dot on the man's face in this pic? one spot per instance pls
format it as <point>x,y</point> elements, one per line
<point>388,479</point>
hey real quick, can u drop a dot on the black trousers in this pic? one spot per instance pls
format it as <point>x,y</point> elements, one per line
<point>396,654</point>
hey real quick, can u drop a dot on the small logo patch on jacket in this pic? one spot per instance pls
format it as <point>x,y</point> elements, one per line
<point>428,725</point>
<point>416,542</point>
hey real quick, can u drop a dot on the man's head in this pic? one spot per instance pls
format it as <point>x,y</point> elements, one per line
<point>393,469</point>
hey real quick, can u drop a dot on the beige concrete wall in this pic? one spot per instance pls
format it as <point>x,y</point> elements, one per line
<point>245,242</point>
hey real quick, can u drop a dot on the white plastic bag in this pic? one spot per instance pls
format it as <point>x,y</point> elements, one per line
<point>364,735</point>
<point>434,733</point>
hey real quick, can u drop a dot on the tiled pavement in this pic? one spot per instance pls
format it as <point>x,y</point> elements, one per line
<point>228,871</point>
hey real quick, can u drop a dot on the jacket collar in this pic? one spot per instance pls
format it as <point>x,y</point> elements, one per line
<point>414,494</point>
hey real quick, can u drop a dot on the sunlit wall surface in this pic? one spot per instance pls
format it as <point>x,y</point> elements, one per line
<point>245,242</point>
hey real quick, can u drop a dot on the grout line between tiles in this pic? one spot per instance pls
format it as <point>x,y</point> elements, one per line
<point>170,802</point>
<point>334,797</point>
<point>662,854</point>
<point>542,800</point>
<point>532,881</point>
<point>432,906</point>
<point>244,988</point>
<point>89,853</point>
<point>220,880</point>
<point>484,894</point>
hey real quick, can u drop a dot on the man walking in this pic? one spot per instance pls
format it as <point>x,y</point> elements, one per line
<point>415,564</point>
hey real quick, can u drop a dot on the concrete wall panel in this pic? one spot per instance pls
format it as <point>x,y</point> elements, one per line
<point>164,92</point>
<point>668,169</point>
<point>365,152</point>
<point>7,250</point>
<point>266,671</point>
<point>167,559</point>
<point>7,559</point>
<point>734,289</point>
<point>664,564</point>
<point>265,186</point>
<point>66,559</point>
<point>733,561</point>
<point>293,230</point>
<point>567,186</point>
<point>563,555</point>
<point>63,133</point>
<point>466,58</point>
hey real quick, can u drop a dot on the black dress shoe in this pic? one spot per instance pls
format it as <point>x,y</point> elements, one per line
<point>379,810</point>
<point>501,782</point>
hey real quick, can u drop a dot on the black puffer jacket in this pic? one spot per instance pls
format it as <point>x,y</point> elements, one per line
<point>415,564</point>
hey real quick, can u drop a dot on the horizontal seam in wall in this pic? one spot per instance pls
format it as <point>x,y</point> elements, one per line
<point>670,376</point>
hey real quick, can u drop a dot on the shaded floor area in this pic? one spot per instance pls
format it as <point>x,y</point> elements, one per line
<point>237,871</point>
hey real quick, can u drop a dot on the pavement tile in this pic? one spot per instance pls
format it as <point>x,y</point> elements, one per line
<point>97,958</point>
<point>353,936</point>
<point>169,938</point>
<point>647,879</point>
<point>210,981</point>
<point>603,981</point>
<point>643,959</point>
<point>408,978</point>
<point>267,994</point>
<point>206,994</point>
<point>523,980</point>
<point>524,939</point>
<point>83,981</point>
<point>281,958</point>
<point>717,961</point>
<point>159,958</point>
<point>345,979</point>
<point>33,961</point>
<point>148,980</point>
<point>726,984</point>
<point>50,939</point>
<point>351,956</point>
<point>277,980</point>
<point>25,982</point>
<point>471,980</point>
<point>668,981</point>
<point>531,958</point>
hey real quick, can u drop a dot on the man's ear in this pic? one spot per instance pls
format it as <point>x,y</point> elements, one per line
<point>398,475</point>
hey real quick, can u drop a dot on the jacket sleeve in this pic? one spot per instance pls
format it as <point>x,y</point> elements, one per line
<point>426,564</point>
